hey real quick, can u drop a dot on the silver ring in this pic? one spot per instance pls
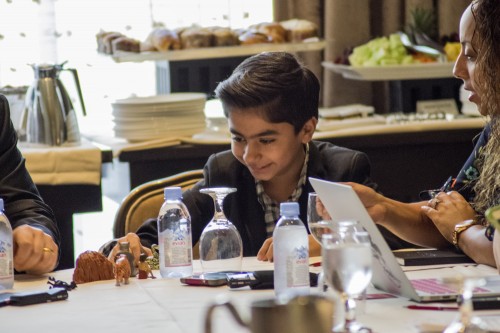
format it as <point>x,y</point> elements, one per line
<point>434,202</point>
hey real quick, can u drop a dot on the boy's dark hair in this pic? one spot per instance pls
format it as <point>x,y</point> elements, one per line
<point>276,81</point>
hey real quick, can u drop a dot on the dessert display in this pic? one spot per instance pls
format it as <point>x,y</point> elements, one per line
<point>165,40</point>
<point>418,43</point>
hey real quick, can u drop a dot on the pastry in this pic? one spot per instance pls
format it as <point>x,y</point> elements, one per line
<point>297,30</point>
<point>163,40</point>
<point>108,41</point>
<point>196,38</point>
<point>224,37</point>
<point>104,40</point>
<point>125,44</point>
<point>275,31</point>
<point>253,37</point>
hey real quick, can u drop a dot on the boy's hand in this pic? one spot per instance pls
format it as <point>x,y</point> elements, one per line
<point>136,247</point>
<point>266,251</point>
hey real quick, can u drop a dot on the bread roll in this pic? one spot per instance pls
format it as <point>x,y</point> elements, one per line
<point>125,44</point>
<point>195,37</point>
<point>253,37</point>
<point>224,37</point>
<point>298,30</point>
<point>275,31</point>
<point>163,39</point>
<point>106,45</point>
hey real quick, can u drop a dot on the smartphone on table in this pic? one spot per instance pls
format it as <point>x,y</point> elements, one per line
<point>214,279</point>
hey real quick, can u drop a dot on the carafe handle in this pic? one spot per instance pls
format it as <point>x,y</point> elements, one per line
<point>230,307</point>
<point>78,88</point>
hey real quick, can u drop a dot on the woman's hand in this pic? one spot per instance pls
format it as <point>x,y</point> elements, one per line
<point>446,210</point>
<point>35,252</point>
<point>136,247</point>
<point>372,201</point>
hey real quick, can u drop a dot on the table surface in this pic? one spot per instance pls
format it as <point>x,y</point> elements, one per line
<point>165,305</point>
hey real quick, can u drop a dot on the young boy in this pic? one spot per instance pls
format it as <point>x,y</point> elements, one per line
<point>271,103</point>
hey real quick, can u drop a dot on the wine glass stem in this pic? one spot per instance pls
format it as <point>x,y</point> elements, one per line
<point>350,311</point>
<point>219,213</point>
<point>466,306</point>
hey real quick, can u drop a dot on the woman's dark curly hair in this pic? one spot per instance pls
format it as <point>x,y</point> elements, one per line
<point>486,41</point>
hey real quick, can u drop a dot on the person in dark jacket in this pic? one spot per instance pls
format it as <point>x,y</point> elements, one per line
<point>35,233</point>
<point>271,103</point>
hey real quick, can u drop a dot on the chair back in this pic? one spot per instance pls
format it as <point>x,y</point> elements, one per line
<point>144,201</point>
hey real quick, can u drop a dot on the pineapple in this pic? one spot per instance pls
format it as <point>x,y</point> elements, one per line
<point>422,28</point>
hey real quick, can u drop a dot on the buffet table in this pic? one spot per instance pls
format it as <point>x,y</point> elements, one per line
<point>69,181</point>
<point>406,158</point>
<point>165,305</point>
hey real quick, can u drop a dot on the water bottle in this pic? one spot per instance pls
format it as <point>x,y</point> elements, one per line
<point>174,236</point>
<point>6,252</point>
<point>291,252</point>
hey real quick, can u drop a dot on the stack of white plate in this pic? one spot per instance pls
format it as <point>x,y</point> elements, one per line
<point>158,117</point>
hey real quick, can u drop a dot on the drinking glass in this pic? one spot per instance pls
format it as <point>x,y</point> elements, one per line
<point>347,265</point>
<point>221,248</point>
<point>465,322</point>
<point>319,222</point>
<point>318,219</point>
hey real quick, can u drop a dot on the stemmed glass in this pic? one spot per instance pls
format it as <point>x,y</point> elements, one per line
<point>319,222</point>
<point>465,322</point>
<point>318,219</point>
<point>221,248</point>
<point>347,265</point>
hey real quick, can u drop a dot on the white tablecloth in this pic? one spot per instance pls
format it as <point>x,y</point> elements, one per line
<point>165,305</point>
<point>63,165</point>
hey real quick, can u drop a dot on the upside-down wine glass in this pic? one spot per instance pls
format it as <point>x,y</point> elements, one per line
<point>221,248</point>
<point>465,322</point>
<point>347,265</point>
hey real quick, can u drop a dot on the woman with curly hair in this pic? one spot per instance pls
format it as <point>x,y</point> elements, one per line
<point>456,217</point>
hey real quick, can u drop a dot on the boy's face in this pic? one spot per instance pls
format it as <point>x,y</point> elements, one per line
<point>270,151</point>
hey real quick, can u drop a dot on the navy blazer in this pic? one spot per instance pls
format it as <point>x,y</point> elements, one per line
<point>23,204</point>
<point>326,161</point>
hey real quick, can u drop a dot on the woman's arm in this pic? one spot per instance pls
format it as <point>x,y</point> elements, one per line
<point>453,209</point>
<point>474,243</point>
<point>404,220</point>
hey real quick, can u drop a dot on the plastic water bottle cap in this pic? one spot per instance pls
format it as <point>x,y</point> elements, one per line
<point>1,205</point>
<point>172,193</point>
<point>289,209</point>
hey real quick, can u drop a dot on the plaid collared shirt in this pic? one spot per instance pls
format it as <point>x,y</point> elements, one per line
<point>271,207</point>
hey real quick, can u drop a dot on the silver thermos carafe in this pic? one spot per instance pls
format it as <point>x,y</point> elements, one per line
<point>49,117</point>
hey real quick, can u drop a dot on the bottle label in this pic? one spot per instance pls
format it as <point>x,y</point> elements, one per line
<point>177,245</point>
<point>297,267</point>
<point>6,264</point>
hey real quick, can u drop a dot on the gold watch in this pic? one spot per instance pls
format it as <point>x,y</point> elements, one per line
<point>459,228</point>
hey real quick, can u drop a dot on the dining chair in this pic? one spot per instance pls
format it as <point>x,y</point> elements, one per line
<point>144,201</point>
